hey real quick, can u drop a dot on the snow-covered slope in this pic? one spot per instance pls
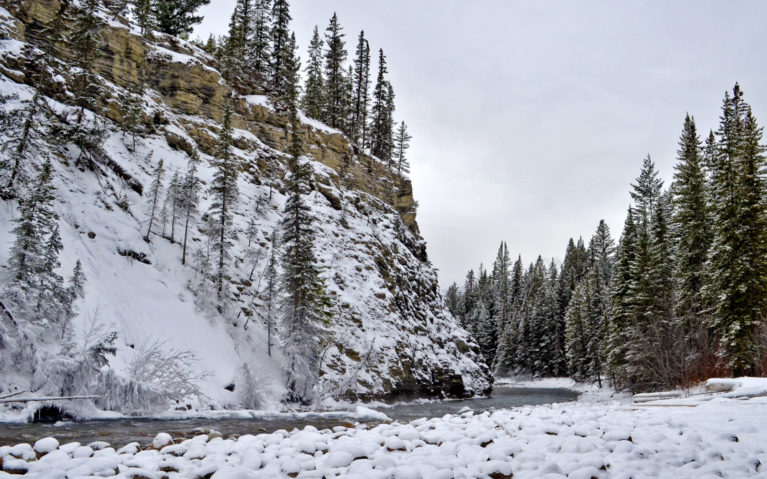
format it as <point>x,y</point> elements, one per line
<point>391,332</point>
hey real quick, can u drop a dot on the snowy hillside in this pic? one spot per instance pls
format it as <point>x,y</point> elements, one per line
<point>391,333</point>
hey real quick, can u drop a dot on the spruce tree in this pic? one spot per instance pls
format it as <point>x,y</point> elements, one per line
<point>257,46</point>
<point>621,316</point>
<point>189,198</point>
<point>335,82</point>
<point>177,17</point>
<point>401,144</point>
<point>361,93</point>
<point>155,192</point>
<point>305,309</point>
<point>36,221</point>
<point>379,114</point>
<point>691,223</point>
<point>270,293</point>
<point>737,286</point>
<point>286,90</point>
<point>144,14</point>
<point>452,299</point>
<point>313,100</point>
<point>279,36</point>
<point>224,192</point>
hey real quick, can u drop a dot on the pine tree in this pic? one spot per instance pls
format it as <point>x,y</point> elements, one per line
<point>621,317</point>
<point>280,36</point>
<point>401,144</point>
<point>257,46</point>
<point>132,104</point>
<point>173,200</point>
<point>361,92</point>
<point>691,223</point>
<point>224,193</point>
<point>155,192</point>
<point>469,300</point>
<point>737,286</point>
<point>576,319</point>
<point>75,290</point>
<point>335,83</point>
<point>270,293</point>
<point>86,40</point>
<point>286,91</point>
<point>145,16</point>
<point>177,17</point>
<point>306,307</point>
<point>379,113</point>
<point>37,219</point>
<point>452,299</point>
<point>189,198</point>
<point>313,100</point>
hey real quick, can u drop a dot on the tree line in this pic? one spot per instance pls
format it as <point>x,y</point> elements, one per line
<point>680,298</point>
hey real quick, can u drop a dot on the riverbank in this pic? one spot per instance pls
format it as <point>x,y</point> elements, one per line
<point>717,434</point>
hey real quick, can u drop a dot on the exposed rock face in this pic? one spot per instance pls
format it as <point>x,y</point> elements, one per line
<point>391,334</point>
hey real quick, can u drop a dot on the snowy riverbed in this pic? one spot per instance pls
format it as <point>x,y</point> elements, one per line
<point>715,435</point>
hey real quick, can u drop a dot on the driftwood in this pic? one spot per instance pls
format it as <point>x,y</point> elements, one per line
<point>45,399</point>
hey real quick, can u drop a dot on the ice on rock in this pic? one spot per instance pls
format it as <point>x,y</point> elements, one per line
<point>46,445</point>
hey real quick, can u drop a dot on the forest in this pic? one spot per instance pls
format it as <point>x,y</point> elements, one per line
<point>66,119</point>
<point>680,298</point>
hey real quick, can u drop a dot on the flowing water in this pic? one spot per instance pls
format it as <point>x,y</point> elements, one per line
<point>119,432</point>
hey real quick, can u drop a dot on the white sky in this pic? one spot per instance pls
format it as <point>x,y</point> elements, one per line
<point>530,119</point>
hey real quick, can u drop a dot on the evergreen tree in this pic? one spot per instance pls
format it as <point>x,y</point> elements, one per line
<point>313,100</point>
<point>224,192</point>
<point>173,200</point>
<point>177,17</point>
<point>306,307</point>
<point>692,226</point>
<point>280,36</point>
<point>737,283</point>
<point>155,192</point>
<point>37,220</point>
<point>132,104</point>
<point>85,40</point>
<point>452,299</point>
<point>621,317</point>
<point>335,81</point>
<point>379,114</point>
<point>286,90</point>
<point>270,293</point>
<point>257,46</point>
<point>189,198</point>
<point>401,144</point>
<point>361,93</point>
<point>469,301</point>
<point>143,12</point>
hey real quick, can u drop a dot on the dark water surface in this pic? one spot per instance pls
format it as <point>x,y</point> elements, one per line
<point>119,432</point>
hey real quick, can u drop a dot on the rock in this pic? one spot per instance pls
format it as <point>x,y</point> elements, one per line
<point>46,445</point>
<point>161,440</point>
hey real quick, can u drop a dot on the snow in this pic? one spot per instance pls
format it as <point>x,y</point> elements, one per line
<point>317,125</point>
<point>719,437</point>
<point>154,303</point>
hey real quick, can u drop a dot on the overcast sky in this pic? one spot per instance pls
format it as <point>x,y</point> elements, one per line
<point>530,119</point>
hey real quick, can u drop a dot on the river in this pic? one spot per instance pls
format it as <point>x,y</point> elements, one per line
<point>119,432</point>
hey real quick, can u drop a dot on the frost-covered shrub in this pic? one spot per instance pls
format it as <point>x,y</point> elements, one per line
<point>248,384</point>
<point>166,371</point>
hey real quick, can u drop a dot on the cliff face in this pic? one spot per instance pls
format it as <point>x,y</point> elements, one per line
<point>391,332</point>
